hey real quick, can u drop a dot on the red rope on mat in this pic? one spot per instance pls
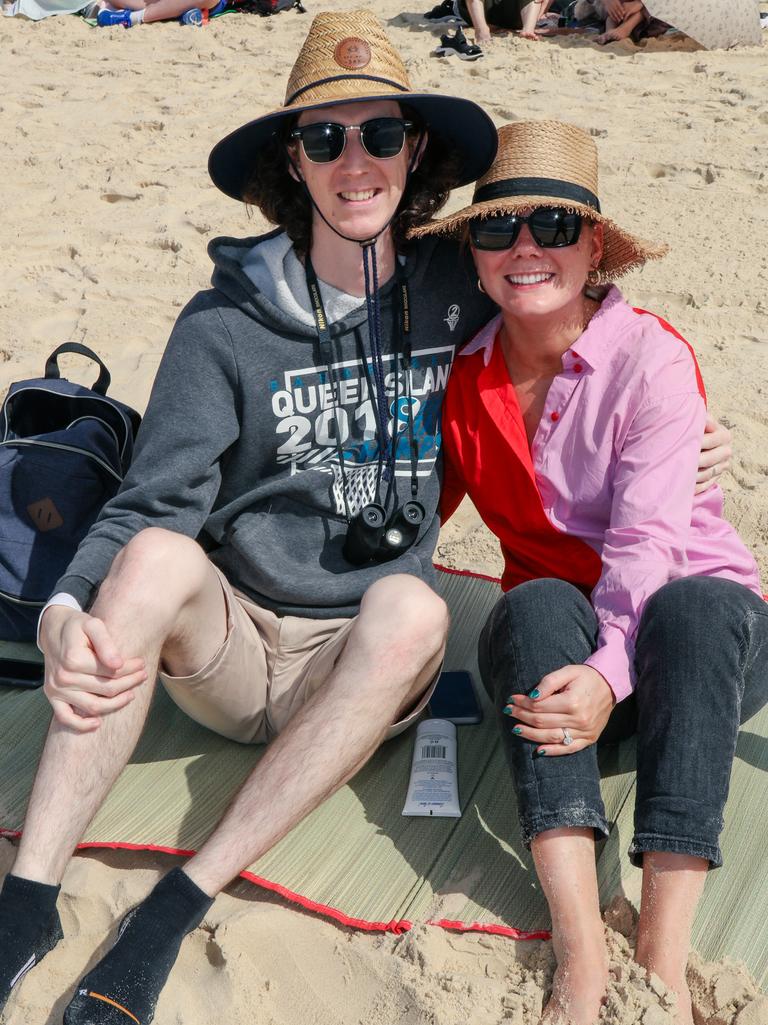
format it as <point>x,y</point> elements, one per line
<point>398,928</point>
<point>465,573</point>
<point>395,927</point>
<point>494,930</point>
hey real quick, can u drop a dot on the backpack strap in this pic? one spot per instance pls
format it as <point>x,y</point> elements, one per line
<point>52,366</point>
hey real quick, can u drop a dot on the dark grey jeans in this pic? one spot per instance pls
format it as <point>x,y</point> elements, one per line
<point>701,659</point>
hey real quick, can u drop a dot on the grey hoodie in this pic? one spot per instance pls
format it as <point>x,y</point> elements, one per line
<point>238,448</point>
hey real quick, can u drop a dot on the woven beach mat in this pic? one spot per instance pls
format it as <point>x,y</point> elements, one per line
<point>358,860</point>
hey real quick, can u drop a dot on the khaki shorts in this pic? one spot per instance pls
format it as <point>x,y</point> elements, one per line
<point>266,669</point>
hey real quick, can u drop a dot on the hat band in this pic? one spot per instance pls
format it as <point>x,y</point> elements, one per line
<point>343,78</point>
<point>536,187</point>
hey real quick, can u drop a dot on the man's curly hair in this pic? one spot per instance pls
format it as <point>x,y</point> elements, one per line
<point>284,201</point>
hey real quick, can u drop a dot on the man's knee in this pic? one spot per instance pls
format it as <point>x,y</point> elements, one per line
<point>407,613</point>
<point>156,556</point>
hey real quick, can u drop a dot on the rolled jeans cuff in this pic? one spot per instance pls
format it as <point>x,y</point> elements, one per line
<point>575,816</point>
<point>650,842</point>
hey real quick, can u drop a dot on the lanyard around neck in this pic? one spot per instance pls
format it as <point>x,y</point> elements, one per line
<point>402,353</point>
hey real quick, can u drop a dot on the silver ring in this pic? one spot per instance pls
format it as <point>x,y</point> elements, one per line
<point>567,738</point>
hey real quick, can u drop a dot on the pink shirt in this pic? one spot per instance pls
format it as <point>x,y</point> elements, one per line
<point>615,457</point>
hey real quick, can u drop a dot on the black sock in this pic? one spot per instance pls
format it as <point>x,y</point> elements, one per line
<point>29,928</point>
<point>125,985</point>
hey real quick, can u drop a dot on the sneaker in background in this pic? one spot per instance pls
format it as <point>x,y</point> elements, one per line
<point>106,19</point>
<point>443,13</point>
<point>458,44</point>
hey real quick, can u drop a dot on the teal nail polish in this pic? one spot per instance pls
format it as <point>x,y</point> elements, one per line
<point>534,693</point>
<point>510,701</point>
<point>517,730</point>
<point>541,752</point>
<point>509,710</point>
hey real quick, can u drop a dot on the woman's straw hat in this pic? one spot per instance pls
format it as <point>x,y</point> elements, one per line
<point>347,58</point>
<point>548,163</point>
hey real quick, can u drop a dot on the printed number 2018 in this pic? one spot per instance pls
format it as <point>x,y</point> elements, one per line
<point>300,429</point>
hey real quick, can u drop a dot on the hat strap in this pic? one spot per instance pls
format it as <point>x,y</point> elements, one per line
<point>343,78</point>
<point>553,187</point>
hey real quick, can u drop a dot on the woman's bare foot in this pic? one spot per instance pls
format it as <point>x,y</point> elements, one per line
<point>579,985</point>
<point>678,985</point>
<point>672,885</point>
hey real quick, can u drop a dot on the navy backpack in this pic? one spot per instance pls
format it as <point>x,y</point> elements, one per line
<point>64,450</point>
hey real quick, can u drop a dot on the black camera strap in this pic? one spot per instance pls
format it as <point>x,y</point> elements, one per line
<point>405,334</point>
<point>376,382</point>
<point>326,353</point>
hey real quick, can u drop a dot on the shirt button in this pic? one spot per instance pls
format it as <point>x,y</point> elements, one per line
<point>554,417</point>
<point>578,367</point>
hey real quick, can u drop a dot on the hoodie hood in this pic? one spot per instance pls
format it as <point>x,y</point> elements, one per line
<point>263,276</point>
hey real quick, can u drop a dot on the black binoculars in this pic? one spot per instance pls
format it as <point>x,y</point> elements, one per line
<point>371,537</point>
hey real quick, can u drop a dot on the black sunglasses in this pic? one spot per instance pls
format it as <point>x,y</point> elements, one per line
<point>551,227</point>
<point>324,142</point>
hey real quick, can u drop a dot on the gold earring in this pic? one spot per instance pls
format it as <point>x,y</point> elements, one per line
<point>480,286</point>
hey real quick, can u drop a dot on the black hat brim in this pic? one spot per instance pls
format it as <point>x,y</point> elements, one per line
<point>460,122</point>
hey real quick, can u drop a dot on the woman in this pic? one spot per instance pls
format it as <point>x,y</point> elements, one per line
<point>573,421</point>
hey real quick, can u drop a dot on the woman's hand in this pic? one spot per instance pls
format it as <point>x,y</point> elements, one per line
<point>615,10</point>
<point>715,455</point>
<point>574,698</point>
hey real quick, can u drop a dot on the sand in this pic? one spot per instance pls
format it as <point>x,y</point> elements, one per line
<point>106,213</point>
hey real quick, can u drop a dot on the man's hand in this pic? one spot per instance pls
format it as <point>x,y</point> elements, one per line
<point>85,675</point>
<point>715,455</point>
<point>576,698</point>
<point>615,10</point>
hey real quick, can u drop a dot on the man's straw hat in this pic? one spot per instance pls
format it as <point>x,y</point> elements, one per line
<point>347,58</point>
<point>548,163</point>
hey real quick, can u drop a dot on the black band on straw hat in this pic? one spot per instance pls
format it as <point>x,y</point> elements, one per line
<point>537,187</point>
<point>343,78</point>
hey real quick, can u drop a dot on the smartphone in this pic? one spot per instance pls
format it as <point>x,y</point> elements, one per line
<point>16,672</point>
<point>455,699</point>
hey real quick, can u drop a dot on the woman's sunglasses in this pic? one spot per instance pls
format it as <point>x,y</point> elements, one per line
<point>551,227</point>
<point>324,142</point>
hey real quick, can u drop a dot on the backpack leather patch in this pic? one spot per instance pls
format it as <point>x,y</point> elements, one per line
<point>45,515</point>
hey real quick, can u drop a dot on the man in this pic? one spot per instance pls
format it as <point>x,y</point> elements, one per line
<point>298,440</point>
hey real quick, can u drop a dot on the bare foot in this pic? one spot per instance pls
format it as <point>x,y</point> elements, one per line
<point>608,37</point>
<point>578,988</point>
<point>679,986</point>
<point>684,1008</point>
